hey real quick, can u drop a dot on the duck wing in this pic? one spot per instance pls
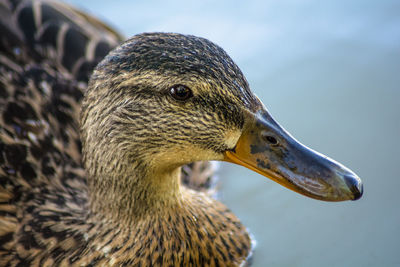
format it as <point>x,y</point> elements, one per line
<point>47,52</point>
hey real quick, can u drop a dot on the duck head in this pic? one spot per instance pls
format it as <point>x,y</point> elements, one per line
<point>162,100</point>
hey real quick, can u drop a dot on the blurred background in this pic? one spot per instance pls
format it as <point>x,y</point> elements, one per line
<point>329,72</point>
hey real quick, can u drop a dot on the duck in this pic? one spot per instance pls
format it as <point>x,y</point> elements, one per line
<point>100,138</point>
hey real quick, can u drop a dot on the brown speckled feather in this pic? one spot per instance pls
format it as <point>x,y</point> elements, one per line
<point>42,80</point>
<point>48,51</point>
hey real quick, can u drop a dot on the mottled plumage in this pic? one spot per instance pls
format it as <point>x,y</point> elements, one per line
<point>101,171</point>
<point>48,50</point>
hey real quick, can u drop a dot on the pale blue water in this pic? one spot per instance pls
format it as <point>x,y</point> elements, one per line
<point>329,71</point>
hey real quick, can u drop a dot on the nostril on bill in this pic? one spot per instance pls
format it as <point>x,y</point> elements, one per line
<point>354,185</point>
<point>269,138</point>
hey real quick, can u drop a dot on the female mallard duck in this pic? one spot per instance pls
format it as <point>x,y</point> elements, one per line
<point>153,104</point>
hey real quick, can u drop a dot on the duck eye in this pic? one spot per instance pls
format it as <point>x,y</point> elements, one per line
<point>180,92</point>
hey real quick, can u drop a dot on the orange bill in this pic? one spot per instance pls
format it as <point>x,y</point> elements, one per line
<point>265,147</point>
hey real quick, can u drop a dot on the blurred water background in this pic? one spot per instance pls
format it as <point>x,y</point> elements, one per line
<point>329,72</point>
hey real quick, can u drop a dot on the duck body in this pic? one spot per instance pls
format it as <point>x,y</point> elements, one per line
<point>55,234</point>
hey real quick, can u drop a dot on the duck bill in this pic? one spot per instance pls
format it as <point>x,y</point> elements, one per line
<point>265,147</point>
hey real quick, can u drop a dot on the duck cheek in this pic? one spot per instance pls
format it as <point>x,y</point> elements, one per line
<point>231,137</point>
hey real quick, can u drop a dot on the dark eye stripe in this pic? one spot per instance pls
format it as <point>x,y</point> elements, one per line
<point>180,92</point>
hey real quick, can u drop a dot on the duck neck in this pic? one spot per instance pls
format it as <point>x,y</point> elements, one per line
<point>133,191</point>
